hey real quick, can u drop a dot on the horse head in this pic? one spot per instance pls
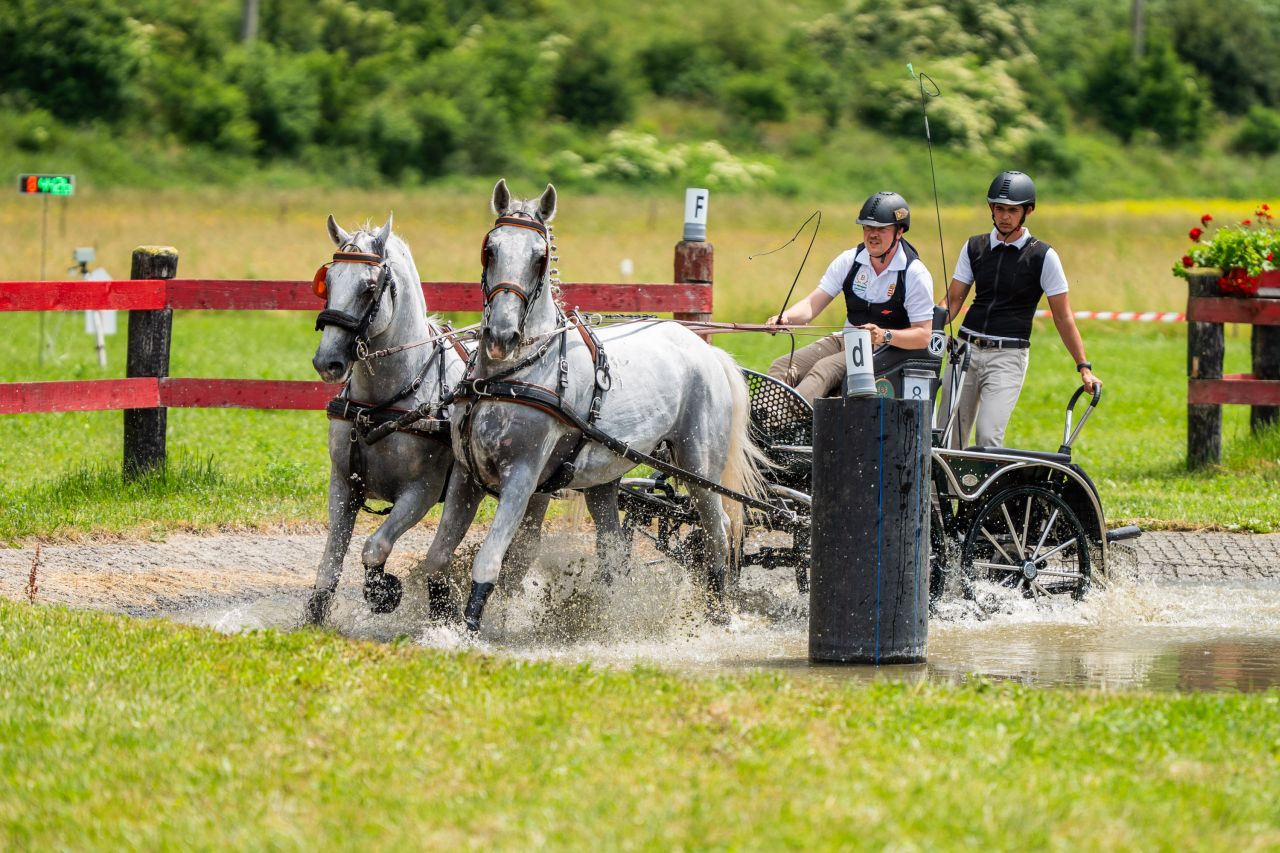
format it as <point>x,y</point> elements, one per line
<point>516,261</point>
<point>359,289</point>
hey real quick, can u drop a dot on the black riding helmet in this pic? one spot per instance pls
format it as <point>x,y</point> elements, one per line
<point>1012,188</point>
<point>885,208</point>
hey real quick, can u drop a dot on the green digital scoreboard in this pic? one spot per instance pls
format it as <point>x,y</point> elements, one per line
<point>47,184</point>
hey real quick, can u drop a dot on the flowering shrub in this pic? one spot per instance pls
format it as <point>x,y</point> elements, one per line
<point>1242,251</point>
<point>640,158</point>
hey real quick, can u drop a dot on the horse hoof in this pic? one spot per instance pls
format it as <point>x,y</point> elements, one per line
<point>475,605</point>
<point>440,604</point>
<point>383,592</point>
<point>318,606</point>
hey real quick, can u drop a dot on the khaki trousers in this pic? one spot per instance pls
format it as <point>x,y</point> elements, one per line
<point>991,390</point>
<point>815,370</point>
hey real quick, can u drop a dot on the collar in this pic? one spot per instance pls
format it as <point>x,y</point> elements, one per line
<point>1017,244</point>
<point>897,262</point>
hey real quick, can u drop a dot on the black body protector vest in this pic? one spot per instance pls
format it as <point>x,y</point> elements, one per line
<point>890,314</point>
<point>1006,286</point>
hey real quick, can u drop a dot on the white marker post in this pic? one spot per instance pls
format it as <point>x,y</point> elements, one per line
<point>860,380</point>
<point>695,213</point>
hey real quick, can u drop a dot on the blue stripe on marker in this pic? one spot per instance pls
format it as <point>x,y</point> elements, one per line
<point>879,526</point>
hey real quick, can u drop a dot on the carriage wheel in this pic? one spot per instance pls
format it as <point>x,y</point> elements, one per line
<point>1027,538</point>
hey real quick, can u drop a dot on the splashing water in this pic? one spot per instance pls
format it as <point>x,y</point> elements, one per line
<point>1129,633</point>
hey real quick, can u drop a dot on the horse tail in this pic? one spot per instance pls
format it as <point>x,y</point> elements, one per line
<point>745,461</point>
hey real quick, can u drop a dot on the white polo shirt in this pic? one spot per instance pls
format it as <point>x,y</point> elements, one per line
<point>877,288</point>
<point>1053,280</point>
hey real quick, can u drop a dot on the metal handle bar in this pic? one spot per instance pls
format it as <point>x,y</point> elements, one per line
<point>1068,434</point>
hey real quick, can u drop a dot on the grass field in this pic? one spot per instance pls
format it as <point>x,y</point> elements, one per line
<point>118,733</point>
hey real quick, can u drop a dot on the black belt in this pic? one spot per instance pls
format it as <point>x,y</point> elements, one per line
<point>994,343</point>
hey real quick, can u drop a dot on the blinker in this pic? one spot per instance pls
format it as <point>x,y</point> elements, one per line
<point>320,282</point>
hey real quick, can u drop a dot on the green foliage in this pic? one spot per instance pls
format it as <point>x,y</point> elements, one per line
<point>681,66</point>
<point>1259,133</point>
<point>75,60</point>
<point>591,88</point>
<point>757,98</point>
<point>1158,92</point>
<point>1240,71</point>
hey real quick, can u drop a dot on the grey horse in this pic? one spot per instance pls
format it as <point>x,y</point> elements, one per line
<point>662,385</point>
<point>373,298</point>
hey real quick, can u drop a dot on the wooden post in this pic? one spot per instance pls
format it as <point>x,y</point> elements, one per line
<point>1266,365</point>
<point>1205,348</point>
<point>150,333</point>
<point>695,264</point>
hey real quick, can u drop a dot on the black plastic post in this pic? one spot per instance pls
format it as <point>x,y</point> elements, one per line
<point>150,333</point>
<point>869,580</point>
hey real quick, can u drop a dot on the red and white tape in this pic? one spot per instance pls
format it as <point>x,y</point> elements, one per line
<point>1136,316</point>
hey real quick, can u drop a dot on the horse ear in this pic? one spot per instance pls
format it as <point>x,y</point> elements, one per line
<point>339,237</point>
<point>380,237</point>
<point>547,203</point>
<point>501,197</point>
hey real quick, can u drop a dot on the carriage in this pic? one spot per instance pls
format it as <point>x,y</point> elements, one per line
<point>1024,519</point>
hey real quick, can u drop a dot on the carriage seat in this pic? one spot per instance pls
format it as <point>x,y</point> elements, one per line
<point>1044,455</point>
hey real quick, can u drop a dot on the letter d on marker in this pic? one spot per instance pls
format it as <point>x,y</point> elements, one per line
<point>860,380</point>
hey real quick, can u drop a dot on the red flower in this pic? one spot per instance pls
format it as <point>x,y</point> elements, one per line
<point>1194,234</point>
<point>1187,262</point>
<point>1266,207</point>
<point>1204,220</point>
<point>1245,222</point>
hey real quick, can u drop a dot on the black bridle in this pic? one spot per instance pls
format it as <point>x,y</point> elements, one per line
<point>359,326</point>
<point>527,298</point>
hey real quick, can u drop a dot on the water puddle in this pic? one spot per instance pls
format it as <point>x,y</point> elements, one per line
<point>1131,635</point>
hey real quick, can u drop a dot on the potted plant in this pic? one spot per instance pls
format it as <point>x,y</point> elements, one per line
<point>1246,254</point>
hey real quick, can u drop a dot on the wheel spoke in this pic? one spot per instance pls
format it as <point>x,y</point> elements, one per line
<point>1026,525</point>
<point>997,567</point>
<point>1037,590</point>
<point>1052,551</point>
<point>997,546</point>
<point>1013,531</point>
<point>1052,574</point>
<point>1044,534</point>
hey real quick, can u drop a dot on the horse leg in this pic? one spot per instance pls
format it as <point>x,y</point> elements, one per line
<point>461,501</point>
<point>711,516</point>
<point>528,540</point>
<point>342,519</point>
<point>613,546</point>
<point>516,492</point>
<point>382,590</point>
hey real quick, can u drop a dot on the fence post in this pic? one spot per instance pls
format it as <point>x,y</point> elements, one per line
<point>150,333</point>
<point>1265,348</point>
<point>695,264</point>
<point>1205,348</point>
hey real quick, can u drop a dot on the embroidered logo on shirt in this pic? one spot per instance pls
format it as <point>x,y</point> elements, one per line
<point>860,281</point>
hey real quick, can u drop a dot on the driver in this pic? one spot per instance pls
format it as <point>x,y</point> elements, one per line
<point>1012,270</point>
<point>887,291</point>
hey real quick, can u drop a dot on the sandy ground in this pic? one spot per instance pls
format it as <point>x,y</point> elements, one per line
<point>185,571</point>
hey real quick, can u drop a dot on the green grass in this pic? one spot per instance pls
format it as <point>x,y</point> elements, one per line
<point>122,733</point>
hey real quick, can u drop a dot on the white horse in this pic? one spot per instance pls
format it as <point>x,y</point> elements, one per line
<point>373,300</point>
<point>662,385</point>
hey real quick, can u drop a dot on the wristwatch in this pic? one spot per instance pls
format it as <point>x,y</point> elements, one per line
<point>888,336</point>
<point>1084,365</point>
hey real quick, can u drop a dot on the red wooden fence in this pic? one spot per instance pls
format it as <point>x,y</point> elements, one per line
<point>147,385</point>
<point>1207,388</point>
